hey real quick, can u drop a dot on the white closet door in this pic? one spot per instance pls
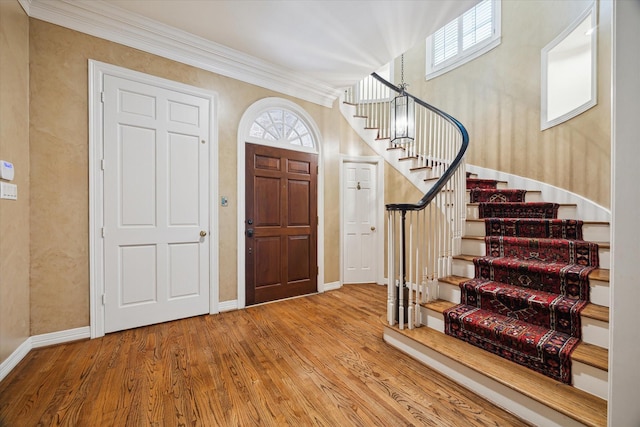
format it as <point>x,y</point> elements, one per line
<point>156,204</point>
<point>359,220</point>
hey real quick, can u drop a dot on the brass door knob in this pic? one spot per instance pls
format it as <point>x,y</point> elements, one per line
<point>373,228</point>
<point>203,233</point>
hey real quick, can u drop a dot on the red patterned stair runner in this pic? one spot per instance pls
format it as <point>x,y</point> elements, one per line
<point>525,300</point>
<point>518,210</point>
<point>489,184</point>
<point>478,195</point>
<point>525,227</point>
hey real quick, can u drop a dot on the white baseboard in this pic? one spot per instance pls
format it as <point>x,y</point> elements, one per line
<point>330,286</point>
<point>14,358</point>
<point>228,305</point>
<point>43,340</point>
<point>60,337</point>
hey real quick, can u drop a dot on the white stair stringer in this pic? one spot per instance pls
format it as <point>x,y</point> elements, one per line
<point>380,147</point>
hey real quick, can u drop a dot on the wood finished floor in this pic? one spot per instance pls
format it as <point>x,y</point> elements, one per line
<point>318,360</point>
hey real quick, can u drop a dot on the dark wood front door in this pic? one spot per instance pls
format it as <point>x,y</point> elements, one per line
<point>280,223</point>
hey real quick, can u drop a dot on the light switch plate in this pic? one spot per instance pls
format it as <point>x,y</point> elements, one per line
<point>8,191</point>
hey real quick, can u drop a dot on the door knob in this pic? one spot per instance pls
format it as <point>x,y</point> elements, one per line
<point>250,232</point>
<point>203,233</point>
<point>373,228</point>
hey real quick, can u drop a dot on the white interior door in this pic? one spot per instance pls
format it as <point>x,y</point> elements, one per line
<point>360,207</point>
<point>156,204</point>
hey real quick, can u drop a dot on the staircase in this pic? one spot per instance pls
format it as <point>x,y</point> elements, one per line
<point>425,286</point>
<point>581,398</point>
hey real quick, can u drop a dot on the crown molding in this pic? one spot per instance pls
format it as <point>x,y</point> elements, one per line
<point>109,22</point>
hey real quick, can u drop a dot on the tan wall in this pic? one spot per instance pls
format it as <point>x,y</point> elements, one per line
<point>497,97</point>
<point>59,165</point>
<point>14,147</point>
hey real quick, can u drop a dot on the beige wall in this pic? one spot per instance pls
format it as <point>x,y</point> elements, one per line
<point>497,98</point>
<point>14,147</point>
<point>59,165</point>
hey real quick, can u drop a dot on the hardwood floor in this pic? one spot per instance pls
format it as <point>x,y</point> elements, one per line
<point>317,360</point>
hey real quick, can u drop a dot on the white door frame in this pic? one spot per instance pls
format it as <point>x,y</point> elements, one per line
<point>243,137</point>
<point>97,70</point>
<point>380,214</point>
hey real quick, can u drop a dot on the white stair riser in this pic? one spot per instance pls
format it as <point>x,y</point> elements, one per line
<point>592,380</point>
<point>596,233</point>
<point>530,196</point>
<point>598,290</point>
<point>432,319</point>
<point>564,212</point>
<point>476,247</point>
<point>595,332</point>
<point>449,292</point>
<point>591,232</point>
<point>585,377</point>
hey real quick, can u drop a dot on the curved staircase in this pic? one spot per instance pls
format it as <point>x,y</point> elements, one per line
<point>519,317</point>
<point>546,391</point>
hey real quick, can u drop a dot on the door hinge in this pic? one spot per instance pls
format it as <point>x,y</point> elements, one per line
<point>102,164</point>
<point>104,299</point>
<point>317,169</point>
<point>102,97</point>
<point>103,232</point>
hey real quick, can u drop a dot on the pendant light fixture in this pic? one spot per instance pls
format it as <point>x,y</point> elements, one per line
<point>402,115</point>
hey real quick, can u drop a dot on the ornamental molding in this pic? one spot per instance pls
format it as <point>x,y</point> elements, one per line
<point>103,20</point>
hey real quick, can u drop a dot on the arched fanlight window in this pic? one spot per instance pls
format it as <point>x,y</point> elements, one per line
<point>282,126</point>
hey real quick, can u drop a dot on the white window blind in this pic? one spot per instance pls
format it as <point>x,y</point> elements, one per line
<point>464,38</point>
<point>445,42</point>
<point>477,24</point>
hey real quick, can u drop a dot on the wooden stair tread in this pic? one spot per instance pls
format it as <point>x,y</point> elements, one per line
<point>439,305</point>
<point>408,158</point>
<point>591,355</point>
<point>453,279</point>
<point>570,401</point>
<point>419,168</point>
<point>595,311</point>
<point>601,274</point>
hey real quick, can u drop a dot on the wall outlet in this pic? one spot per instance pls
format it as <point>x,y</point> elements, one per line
<point>8,191</point>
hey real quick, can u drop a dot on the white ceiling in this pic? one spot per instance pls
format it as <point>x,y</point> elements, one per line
<point>334,42</point>
<point>310,49</point>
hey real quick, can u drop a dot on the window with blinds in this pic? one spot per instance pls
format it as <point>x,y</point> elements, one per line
<point>468,36</point>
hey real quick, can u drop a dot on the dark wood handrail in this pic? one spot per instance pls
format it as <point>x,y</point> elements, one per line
<point>446,176</point>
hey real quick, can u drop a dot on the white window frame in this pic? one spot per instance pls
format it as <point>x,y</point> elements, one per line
<point>471,53</point>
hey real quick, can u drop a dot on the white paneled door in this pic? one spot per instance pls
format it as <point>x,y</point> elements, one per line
<point>359,220</point>
<point>156,204</point>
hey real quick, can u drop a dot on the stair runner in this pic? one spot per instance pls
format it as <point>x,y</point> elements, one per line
<point>525,300</point>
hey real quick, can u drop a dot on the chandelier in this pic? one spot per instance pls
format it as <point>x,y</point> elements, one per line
<point>402,115</point>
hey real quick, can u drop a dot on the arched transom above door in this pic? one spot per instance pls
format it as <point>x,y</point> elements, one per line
<point>282,127</point>
<point>280,123</point>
